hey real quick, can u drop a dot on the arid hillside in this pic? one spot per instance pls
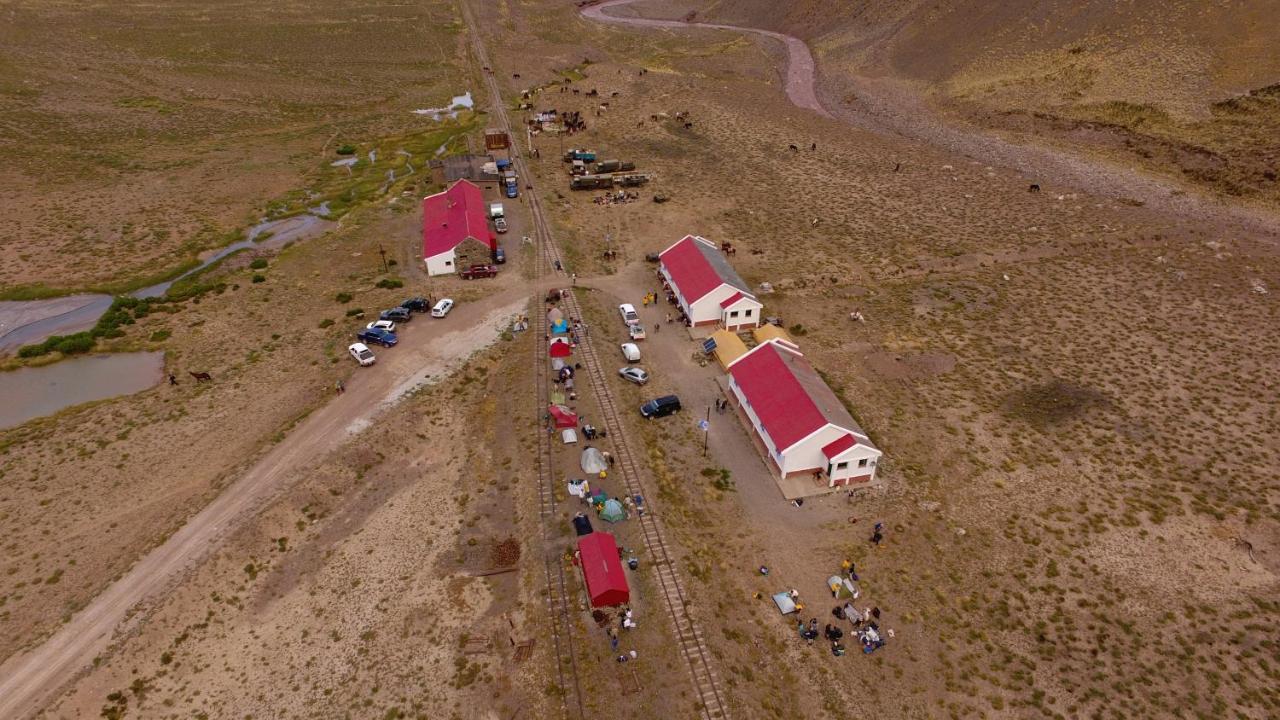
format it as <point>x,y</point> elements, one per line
<point>1186,89</point>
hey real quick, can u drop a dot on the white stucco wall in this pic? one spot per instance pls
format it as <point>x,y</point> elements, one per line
<point>441,264</point>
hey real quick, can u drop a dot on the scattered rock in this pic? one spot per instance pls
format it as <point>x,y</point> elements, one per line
<point>930,505</point>
<point>1259,287</point>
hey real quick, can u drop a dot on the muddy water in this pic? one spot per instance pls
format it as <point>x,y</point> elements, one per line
<point>35,392</point>
<point>25,323</point>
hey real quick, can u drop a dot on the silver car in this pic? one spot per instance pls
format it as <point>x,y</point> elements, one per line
<point>634,374</point>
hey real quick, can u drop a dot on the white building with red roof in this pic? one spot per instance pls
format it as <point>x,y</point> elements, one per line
<point>706,287</point>
<point>455,230</point>
<point>803,426</point>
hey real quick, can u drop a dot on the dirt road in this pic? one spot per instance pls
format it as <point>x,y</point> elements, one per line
<point>429,348</point>
<point>801,68</point>
<point>889,107</point>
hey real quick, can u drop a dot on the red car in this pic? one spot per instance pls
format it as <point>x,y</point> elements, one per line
<point>479,271</point>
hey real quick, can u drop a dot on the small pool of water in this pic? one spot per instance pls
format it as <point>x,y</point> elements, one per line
<point>457,104</point>
<point>38,391</point>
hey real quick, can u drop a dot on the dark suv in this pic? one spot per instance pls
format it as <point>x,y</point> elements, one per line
<point>417,304</point>
<point>397,314</point>
<point>660,407</point>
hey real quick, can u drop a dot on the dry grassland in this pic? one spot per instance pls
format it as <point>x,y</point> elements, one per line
<point>1077,453</point>
<point>137,136</point>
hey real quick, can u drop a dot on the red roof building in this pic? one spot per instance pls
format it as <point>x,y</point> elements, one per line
<point>802,424</point>
<point>606,580</point>
<point>455,230</point>
<point>706,287</point>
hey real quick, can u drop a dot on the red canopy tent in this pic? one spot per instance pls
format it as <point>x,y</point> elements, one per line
<point>560,348</point>
<point>606,582</point>
<point>564,417</point>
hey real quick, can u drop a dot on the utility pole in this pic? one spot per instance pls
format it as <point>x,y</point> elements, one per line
<point>706,431</point>
<point>383,252</point>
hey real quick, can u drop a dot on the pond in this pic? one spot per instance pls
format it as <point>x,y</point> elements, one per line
<point>38,391</point>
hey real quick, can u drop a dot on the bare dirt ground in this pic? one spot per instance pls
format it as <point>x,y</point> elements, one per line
<point>1031,364</point>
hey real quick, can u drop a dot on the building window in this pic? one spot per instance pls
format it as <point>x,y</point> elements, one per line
<point>862,463</point>
<point>746,313</point>
<point>842,466</point>
<point>447,263</point>
<point>733,314</point>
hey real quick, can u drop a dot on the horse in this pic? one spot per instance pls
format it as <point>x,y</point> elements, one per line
<point>1034,188</point>
<point>201,376</point>
<point>792,147</point>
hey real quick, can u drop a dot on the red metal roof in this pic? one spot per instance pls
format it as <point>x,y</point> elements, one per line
<point>785,410</point>
<point>692,271</point>
<point>452,216</point>
<point>606,581</point>
<point>839,445</point>
<point>731,300</point>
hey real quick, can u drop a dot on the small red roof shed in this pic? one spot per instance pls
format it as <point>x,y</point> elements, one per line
<point>606,582</point>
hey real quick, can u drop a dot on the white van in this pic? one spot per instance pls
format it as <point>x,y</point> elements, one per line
<point>631,352</point>
<point>442,308</point>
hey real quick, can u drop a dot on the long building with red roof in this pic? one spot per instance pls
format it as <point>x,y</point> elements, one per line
<point>455,230</point>
<point>803,426</point>
<point>706,287</point>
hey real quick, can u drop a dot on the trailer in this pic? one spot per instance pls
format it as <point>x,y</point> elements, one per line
<point>632,180</point>
<point>578,154</point>
<point>591,182</point>
<point>611,166</point>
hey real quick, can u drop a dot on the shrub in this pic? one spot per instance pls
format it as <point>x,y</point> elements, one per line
<point>258,263</point>
<point>326,323</point>
<point>355,312</point>
<point>346,149</point>
<point>343,297</point>
<point>259,278</point>
<point>160,335</point>
<point>390,283</point>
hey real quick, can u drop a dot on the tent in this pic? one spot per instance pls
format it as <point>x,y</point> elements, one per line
<point>785,604</point>
<point>569,436</point>
<point>606,582</point>
<point>556,320</point>
<point>612,511</point>
<point>560,348</point>
<point>557,364</point>
<point>579,488</point>
<point>593,461</point>
<point>557,397</point>
<point>582,524</point>
<point>563,416</point>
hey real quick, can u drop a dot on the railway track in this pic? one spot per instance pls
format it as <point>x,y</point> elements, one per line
<point>712,701</point>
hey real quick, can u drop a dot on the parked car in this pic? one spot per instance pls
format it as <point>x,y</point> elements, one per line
<point>660,407</point>
<point>417,304</point>
<point>362,353</point>
<point>631,352</point>
<point>636,331</point>
<point>388,325</point>
<point>634,374</point>
<point>500,224</point>
<point>442,308</point>
<point>479,271</point>
<point>397,314</point>
<point>500,256</point>
<point>385,338</point>
<point>629,314</point>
